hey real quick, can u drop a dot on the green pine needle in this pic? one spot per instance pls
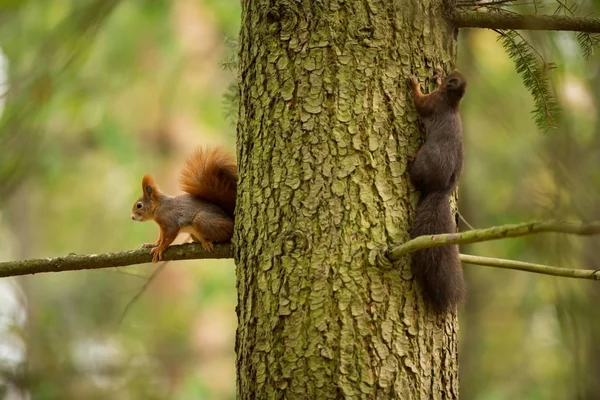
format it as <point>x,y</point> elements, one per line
<point>534,72</point>
<point>231,96</point>
<point>230,62</point>
<point>231,102</point>
<point>587,41</point>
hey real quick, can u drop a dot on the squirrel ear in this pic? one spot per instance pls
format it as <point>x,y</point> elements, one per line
<point>148,186</point>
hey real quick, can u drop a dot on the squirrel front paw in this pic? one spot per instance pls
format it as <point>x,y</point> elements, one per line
<point>438,75</point>
<point>413,82</point>
<point>156,254</point>
<point>148,245</point>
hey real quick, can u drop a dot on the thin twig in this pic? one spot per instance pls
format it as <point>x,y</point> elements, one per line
<point>141,276</point>
<point>74,262</point>
<point>464,220</point>
<point>488,20</point>
<point>530,267</point>
<point>151,279</point>
<point>496,232</point>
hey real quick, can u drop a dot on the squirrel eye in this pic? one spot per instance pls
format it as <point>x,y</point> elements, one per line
<point>138,205</point>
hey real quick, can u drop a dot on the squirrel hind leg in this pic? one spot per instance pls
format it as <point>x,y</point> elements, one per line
<point>197,237</point>
<point>212,228</point>
<point>207,245</point>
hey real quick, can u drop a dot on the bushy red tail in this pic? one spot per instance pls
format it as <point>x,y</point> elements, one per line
<point>437,269</point>
<point>211,174</point>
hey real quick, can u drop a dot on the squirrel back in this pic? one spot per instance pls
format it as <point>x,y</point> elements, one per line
<point>211,174</point>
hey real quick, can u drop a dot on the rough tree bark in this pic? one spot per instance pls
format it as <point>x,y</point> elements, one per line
<point>325,127</point>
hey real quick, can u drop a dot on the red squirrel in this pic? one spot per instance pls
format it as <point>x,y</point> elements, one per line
<point>205,210</point>
<point>435,172</point>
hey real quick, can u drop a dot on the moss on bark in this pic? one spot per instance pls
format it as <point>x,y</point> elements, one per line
<point>325,128</point>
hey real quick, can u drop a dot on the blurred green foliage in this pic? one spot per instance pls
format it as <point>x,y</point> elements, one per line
<point>526,336</point>
<point>102,92</point>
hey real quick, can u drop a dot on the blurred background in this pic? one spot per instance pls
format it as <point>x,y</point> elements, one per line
<point>103,91</point>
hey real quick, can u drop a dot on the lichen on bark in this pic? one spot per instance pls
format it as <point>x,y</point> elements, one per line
<point>325,129</point>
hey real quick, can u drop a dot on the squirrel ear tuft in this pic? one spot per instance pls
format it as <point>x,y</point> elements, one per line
<point>148,186</point>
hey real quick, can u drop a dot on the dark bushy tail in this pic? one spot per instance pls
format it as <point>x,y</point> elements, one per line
<point>437,269</point>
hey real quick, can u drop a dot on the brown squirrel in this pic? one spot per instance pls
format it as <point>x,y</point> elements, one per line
<point>435,172</point>
<point>205,211</point>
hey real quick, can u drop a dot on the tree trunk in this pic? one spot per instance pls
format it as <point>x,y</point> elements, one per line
<point>325,128</point>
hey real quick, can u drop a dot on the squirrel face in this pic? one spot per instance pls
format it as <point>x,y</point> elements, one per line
<point>454,86</point>
<point>143,208</point>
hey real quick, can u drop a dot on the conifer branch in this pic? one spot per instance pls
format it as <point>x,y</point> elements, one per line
<point>587,41</point>
<point>533,69</point>
<point>502,21</point>
<point>495,232</point>
<point>75,262</point>
<point>530,267</point>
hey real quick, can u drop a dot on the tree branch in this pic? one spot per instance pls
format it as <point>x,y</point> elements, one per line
<point>495,232</point>
<point>192,251</point>
<point>530,267</point>
<point>74,262</point>
<point>471,3</point>
<point>477,19</point>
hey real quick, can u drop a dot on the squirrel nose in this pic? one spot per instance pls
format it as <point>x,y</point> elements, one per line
<point>133,217</point>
